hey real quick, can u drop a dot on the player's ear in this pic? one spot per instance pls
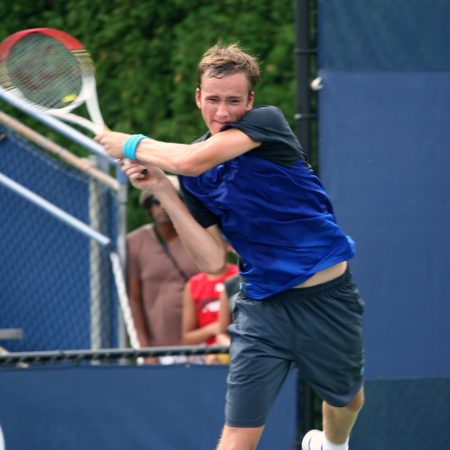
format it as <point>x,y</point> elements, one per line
<point>250,101</point>
<point>198,95</point>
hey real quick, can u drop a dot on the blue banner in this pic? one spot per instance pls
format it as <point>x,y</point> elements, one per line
<point>128,408</point>
<point>384,115</point>
<point>379,35</point>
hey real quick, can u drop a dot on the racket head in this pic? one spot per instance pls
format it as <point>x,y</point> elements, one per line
<point>48,68</point>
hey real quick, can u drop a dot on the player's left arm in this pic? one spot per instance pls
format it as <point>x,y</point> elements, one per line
<point>183,159</point>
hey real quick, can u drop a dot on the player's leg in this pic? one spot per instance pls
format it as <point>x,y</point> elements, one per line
<point>337,425</point>
<point>258,368</point>
<point>338,422</point>
<point>237,438</point>
<point>333,358</point>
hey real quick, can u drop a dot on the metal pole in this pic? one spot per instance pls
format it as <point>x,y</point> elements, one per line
<point>303,117</point>
<point>95,277</point>
<point>55,211</point>
<point>122,205</point>
<point>303,52</point>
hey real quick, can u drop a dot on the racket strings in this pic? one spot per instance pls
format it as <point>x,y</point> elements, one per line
<point>45,71</point>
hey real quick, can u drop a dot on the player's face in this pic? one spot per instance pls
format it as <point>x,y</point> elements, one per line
<point>223,100</point>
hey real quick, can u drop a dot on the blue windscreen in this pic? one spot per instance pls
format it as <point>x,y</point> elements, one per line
<point>385,160</point>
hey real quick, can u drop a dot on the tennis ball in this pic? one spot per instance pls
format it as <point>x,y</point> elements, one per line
<point>69,98</point>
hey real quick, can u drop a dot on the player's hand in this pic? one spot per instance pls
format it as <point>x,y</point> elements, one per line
<point>112,142</point>
<point>146,177</point>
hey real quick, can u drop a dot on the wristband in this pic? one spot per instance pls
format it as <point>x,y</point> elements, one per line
<point>130,145</point>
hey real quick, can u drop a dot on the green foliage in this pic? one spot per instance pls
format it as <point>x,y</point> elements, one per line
<point>146,54</point>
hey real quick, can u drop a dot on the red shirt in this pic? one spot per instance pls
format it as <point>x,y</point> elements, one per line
<point>205,293</point>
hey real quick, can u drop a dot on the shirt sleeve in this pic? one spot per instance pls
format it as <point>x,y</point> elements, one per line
<point>267,125</point>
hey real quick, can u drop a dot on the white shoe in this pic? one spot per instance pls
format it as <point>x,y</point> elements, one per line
<point>313,440</point>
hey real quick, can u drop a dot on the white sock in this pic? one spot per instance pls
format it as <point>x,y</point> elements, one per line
<point>313,440</point>
<point>327,445</point>
<point>316,440</point>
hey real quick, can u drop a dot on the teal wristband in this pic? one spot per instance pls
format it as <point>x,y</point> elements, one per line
<point>130,145</point>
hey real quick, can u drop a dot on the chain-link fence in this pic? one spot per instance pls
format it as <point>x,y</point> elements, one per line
<point>57,282</point>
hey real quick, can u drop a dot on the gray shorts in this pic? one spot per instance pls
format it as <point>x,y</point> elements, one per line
<point>318,328</point>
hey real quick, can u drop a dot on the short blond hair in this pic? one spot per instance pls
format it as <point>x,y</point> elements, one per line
<point>219,61</point>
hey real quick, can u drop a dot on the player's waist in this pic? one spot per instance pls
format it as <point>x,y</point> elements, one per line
<point>324,276</point>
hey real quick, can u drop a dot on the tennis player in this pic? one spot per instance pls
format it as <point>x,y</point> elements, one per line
<point>247,178</point>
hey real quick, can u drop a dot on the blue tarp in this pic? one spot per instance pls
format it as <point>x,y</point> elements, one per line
<point>128,408</point>
<point>384,121</point>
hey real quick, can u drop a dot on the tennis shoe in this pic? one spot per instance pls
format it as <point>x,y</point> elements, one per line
<point>313,440</point>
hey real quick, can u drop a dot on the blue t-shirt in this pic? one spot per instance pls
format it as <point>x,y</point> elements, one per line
<point>271,207</point>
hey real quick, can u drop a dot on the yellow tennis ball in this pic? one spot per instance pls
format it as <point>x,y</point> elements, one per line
<point>69,98</point>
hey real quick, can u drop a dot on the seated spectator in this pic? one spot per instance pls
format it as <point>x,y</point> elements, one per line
<point>201,306</point>
<point>158,268</point>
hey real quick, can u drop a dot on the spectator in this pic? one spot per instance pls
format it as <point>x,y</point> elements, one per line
<point>158,268</point>
<point>201,302</point>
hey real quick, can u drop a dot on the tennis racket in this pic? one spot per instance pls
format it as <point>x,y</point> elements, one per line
<point>52,72</point>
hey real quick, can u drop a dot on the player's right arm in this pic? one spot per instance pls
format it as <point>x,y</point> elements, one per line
<point>205,245</point>
<point>182,159</point>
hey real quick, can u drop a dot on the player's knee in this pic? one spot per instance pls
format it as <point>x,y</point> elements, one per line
<point>357,403</point>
